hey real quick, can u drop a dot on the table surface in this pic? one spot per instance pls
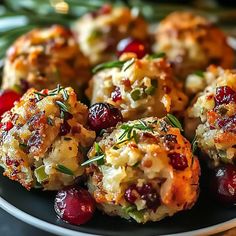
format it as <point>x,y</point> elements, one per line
<point>10,226</point>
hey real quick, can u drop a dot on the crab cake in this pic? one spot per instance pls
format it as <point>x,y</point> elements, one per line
<point>44,58</point>
<point>41,139</point>
<point>140,88</point>
<point>143,170</point>
<point>98,33</point>
<point>215,112</point>
<point>191,43</point>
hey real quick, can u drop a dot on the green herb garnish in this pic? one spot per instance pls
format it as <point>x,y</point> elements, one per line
<point>99,156</point>
<point>156,55</point>
<point>129,63</point>
<point>62,106</point>
<point>67,138</point>
<point>49,121</point>
<point>173,121</point>
<point>40,174</point>
<point>64,170</point>
<point>194,145</point>
<point>199,73</point>
<point>65,95</point>
<point>39,96</point>
<point>113,64</point>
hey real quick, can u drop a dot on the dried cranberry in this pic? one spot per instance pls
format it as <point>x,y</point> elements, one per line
<point>131,194</point>
<point>65,128</point>
<point>74,205</point>
<point>116,95</point>
<point>146,192</point>
<point>178,161</point>
<point>7,99</point>
<point>132,45</point>
<point>103,116</point>
<point>223,184</point>
<point>224,95</point>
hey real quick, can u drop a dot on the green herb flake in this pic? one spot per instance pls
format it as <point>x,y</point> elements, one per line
<point>135,94</point>
<point>95,159</point>
<point>136,139</point>
<point>64,170</point>
<point>194,145</point>
<point>107,65</point>
<point>156,55</point>
<point>40,174</point>
<point>173,121</point>
<point>62,106</point>
<point>199,73</point>
<point>65,95</point>
<point>67,138</point>
<point>49,121</point>
<point>23,145</point>
<point>150,90</point>
<point>128,64</point>
<point>39,96</point>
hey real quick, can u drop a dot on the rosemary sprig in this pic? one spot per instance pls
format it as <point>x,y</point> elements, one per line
<point>62,106</point>
<point>129,64</point>
<point>156,55</point>
<point>106,65</point>
<point>99,156</point>
<point>173,121</point>
<point>64,170</point>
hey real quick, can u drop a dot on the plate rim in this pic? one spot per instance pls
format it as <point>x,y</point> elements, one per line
<point>58,230</point>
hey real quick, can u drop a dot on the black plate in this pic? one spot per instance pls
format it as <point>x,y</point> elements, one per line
<point>39,204</point>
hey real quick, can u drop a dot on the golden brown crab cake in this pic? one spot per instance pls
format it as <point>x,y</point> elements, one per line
<point>42,136</point>
<point>191,43</point>
<point>143,170</point>
<point>99,33</point>
<point>44,58</point>
<point>140,88</point>
<point>214,110</point>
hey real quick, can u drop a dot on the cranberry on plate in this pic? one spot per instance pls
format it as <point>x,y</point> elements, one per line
<point>132,45</point>
<point>74,205</point>
<point>7,99</point>
<point>223,184</point>
<point>103,116</point>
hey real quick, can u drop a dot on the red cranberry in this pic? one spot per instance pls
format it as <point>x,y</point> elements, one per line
<point>74,205</point>
<point>103,116</point>
<point>178,161</point>
<point>116,95</point>
<point>227,123</point>
<point>224,95</point>
<point>7,99</point>
<point>131,194</point>
<point>132,45</point>
<point>65,128</point>
<point>6,126</point>
<point>146,192</point>
<point>223,184</point>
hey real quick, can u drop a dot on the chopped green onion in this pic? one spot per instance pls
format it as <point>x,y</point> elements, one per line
<point>173,121</point>
<point>134,213</point>
<point>40,174</point>
<point>113,64</point>
<point>135,94</point>
<point>64,170</point>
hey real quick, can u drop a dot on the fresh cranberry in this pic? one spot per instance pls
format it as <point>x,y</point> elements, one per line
<point>103,116</point>
<point>146,192</point>
<point>6,126</point>
<point>224,95</point>
<point>178,161</point>
<point>116,95</point>
<point>7,99</point>
<point>74,205</point>
<point>223,184</point>
<point>132,45</point>
<point>65,128</point>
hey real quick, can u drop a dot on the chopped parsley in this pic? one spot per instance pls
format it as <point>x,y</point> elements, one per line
<point>173,121</point>
<point>64,170</point>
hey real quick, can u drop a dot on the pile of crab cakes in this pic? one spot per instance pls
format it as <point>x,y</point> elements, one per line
<point>142,166</point>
